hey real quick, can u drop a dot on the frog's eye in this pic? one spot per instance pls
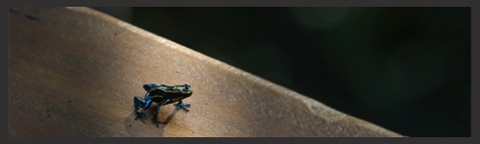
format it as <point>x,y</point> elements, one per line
<point>187,86</point>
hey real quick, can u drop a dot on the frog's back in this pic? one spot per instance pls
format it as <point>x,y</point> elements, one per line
<point>173,93</point>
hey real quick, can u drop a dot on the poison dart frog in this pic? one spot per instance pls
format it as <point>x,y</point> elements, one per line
<point>162,95</point>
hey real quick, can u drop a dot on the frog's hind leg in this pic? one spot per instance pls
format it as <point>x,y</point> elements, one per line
<point>139,102</point>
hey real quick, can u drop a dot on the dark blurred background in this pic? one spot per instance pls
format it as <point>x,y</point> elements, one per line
<point>405,69</point>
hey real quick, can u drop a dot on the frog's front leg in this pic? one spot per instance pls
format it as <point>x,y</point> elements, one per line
<point>182,105</point>
<point>155,113</point>
<point>144,104</point>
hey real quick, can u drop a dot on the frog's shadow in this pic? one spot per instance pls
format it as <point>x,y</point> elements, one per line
<point>136,128</point>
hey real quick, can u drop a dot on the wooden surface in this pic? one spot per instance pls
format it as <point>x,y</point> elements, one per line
<point>75,71</point>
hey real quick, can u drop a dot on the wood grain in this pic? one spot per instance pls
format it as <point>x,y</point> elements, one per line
<point>75,71</point>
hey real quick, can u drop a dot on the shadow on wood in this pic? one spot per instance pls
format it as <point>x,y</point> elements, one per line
<point>75,71</point>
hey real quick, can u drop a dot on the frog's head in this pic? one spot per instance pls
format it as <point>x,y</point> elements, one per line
<point>187,86</point>
<point>186,90</point>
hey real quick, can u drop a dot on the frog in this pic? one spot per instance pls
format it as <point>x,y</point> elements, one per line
<point>162,95</point>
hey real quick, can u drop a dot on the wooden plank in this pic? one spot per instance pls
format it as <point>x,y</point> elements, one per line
<point>75,71</point>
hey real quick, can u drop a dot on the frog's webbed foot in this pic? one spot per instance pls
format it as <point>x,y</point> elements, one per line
<point>156,121</point>
<point>140,115</point>
<point>183,106</point>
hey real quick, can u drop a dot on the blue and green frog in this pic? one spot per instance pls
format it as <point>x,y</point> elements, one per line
<point>161,95</point>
